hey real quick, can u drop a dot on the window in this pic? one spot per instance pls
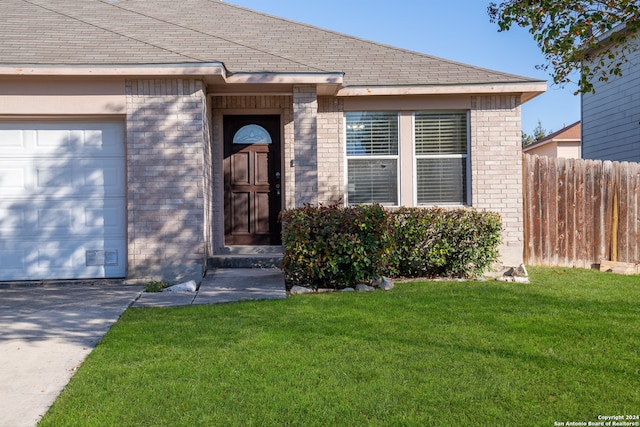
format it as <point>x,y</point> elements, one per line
<point>252,134</point>
<point>372,158</point>
<point>441,149</point>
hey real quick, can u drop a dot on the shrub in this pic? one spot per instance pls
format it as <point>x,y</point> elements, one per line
<point>438,242</point>
<point>335,246</point>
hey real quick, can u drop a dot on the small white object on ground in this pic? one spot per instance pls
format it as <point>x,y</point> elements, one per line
<point>189,286</point>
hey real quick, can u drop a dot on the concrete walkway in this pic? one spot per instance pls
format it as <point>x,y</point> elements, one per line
<point>47,332</point>
<point>223,285</point>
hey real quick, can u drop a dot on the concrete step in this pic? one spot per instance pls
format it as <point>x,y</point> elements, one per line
<point>247,257</point>
<point>252,250</point>
<point>244,261</point>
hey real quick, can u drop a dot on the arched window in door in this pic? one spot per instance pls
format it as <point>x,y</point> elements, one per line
<point>252,134</point>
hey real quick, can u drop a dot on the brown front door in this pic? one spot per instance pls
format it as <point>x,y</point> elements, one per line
<point>252,179</point>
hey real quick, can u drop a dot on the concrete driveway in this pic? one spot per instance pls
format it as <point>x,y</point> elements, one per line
<point>45,334</point>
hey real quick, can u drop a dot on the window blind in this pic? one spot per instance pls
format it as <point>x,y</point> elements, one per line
<point>442,181</point>
<point>372,134</point>
<point>441,133</point>
<point>441,143</point>
<point>372,157</point>
<point>373,181</point>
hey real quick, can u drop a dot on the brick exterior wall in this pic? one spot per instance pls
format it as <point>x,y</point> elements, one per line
<point>305,115</point>
<point>176,204</point>
<point>330,150</point>
<point>166,154</point>
<point>496,167</point>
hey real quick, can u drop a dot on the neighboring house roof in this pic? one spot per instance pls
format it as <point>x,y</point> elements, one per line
<point>135,32</point>
<point>568,134</point>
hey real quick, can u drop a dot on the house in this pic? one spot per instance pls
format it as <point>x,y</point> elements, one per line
<point>140,137</point>
<point>611,115</point>
<point>563,143</point>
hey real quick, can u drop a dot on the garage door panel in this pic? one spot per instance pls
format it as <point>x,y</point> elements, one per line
<point>12,139</point>
<point>46,138</point>
<point>62,200</point>
<point>12,260</point>
<point>54,256</point>
<point>54,220</point>
<point>53,177</point>
<point>43,219</point>
<point>65,259</point>
<point>12,221</point>
<point>38,177</point>
<point>102,176</point>
<point>108,218</point>
<point>13,178</point>
<point>59,140</point>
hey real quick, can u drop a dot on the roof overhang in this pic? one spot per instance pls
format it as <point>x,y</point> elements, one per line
<point>213,73</point>
<point>214,70</point>
<point>527,90</point>
<point>326,83</point>
<point>607,39</point>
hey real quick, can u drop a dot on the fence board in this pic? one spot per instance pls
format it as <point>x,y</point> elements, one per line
<point>569,211</point>
<point>589,232</point>
<point>553,215</point>
<point>635,202</point>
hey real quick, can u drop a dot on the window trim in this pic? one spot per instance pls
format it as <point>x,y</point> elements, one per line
<point>397,157</point>
<point>416,157</point>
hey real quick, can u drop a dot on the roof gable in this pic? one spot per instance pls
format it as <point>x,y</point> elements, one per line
<point>110,32</point>
<point>568,134</point>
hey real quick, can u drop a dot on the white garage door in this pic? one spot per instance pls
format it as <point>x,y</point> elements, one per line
<point>62,200</point>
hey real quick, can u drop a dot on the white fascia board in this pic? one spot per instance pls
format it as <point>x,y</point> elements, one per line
<point>289,78</point>
<point>115,70</point>
<point>531,89</point>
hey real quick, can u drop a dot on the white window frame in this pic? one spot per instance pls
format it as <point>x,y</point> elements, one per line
<point>395,157</point>
<point>466,156</point>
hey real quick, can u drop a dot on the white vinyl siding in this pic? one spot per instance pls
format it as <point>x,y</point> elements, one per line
<point>442,160</point>
<point>372,158</point>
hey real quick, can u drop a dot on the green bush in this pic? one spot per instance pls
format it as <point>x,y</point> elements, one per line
<point>438,242</point>
<point>335,246</point>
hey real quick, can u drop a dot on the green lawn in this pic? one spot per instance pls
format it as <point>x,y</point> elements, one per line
<point>564,348</point>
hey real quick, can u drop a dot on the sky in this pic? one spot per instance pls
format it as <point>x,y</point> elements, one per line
<point>457,30</point>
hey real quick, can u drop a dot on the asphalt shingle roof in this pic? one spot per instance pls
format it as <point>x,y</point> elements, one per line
<point>114,32</point>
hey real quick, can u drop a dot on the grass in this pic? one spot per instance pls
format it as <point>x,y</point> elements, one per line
<point>563,348</point>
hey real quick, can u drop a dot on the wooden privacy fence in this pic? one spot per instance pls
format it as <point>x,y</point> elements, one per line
<point>580,212</point>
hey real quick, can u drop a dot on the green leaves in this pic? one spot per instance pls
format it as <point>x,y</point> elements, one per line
<point>440,242</point>
<point>155,286</point>
<point>574,35</point>
<point>337,247</point>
